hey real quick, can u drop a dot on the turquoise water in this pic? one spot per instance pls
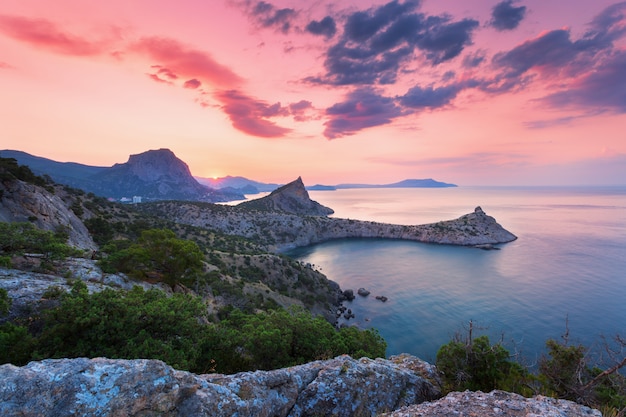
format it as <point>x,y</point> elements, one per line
<point>567,266</point>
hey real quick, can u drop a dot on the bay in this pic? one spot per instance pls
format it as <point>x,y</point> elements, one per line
<point>567,269</point>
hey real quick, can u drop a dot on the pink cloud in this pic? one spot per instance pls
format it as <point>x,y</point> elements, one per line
<point>192,84</point>
<point>44,34</point>
<point>186,62</point>
<point>4,65</point>
<point>250,116</point>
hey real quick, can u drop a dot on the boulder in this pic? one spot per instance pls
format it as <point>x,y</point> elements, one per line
<point>495,404</point>
<point>363,292</point>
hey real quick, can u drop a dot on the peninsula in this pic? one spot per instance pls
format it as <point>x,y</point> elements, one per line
<point>287,219</point>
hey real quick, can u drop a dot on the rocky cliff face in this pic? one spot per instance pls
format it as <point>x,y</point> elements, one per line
<point>22,202</point>
<point>403,385</point>
<point>340,387</point>
<point>292,198</point>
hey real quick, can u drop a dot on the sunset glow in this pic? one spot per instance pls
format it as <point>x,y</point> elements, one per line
<point>513,92</point>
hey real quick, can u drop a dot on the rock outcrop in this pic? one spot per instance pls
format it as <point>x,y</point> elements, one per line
<point>104,387</point>
<point>23,202</point>
<point>495,404</point>
<point>292,198</point>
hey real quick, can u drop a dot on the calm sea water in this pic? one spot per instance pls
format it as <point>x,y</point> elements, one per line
<point>567,266</point>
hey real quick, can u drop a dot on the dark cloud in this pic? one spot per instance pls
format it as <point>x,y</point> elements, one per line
<point>444,41</point>
<point>376,43</point>
<point>474,59</point>
<point>551,50</point>
<point>44,34</point>
<point>362,108</point>
<point>429,97</point>
<point>250,115</point>
<point>361,26</point>
<point>192,84</point>
<point>267,15</point>
<point>505,16</point>
<point>604,88</point>
<point>325,27</point>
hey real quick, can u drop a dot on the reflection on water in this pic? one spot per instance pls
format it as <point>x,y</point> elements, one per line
<point>568,263</point>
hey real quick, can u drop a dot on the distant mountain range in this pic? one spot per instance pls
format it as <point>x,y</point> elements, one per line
<point>152,175</point>
<point>422,183</point>
<point>160,175</point>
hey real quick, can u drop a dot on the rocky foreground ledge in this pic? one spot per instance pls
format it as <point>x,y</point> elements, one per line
<point>403,385</point>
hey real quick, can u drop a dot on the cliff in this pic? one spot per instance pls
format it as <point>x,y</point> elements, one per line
<point>22,202</point>
<point>292,198</point>
<point>343,386</point>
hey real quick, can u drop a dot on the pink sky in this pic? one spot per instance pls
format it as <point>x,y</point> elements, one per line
<point>525,92</point>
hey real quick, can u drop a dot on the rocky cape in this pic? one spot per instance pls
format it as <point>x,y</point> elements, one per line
<point>289,219</point>
<point>401,385</point>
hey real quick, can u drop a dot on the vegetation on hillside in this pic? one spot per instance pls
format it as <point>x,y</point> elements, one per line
<point>178,330</point>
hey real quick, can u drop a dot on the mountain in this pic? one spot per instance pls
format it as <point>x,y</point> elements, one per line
<point>152,175</point>
<point>68,173</point>
<point>243,184</point>
<point>410,183</point>
<point>291,198</point>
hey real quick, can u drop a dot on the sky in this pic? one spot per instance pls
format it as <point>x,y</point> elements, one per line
<point>513,92</point>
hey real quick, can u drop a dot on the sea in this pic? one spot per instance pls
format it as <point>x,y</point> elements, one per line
<point>563,278</point>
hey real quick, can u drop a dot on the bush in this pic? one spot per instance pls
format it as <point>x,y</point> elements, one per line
<point>476,364</point>
<point>124,324</point>
<point>19,238</point>
<point>158,254</point>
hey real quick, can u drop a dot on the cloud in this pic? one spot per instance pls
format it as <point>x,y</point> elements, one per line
<point>183,61</point>
<point>192,84</point>
<point>4,65</point>
<point>586,72</point>
<point>376,43</point>
<point>325,27</point>
<point>474,59</point>
<point>301,111</point>
<point>250,116</point>
<point>505,16</point>
<point>429,97</point>
<point>269,16</point>
<point>363,108</point>
<point>603,88</point>
<point>44,34</point>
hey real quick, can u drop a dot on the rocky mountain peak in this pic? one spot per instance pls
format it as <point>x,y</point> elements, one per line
<point>291,198</point>
<point>156,164</point>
